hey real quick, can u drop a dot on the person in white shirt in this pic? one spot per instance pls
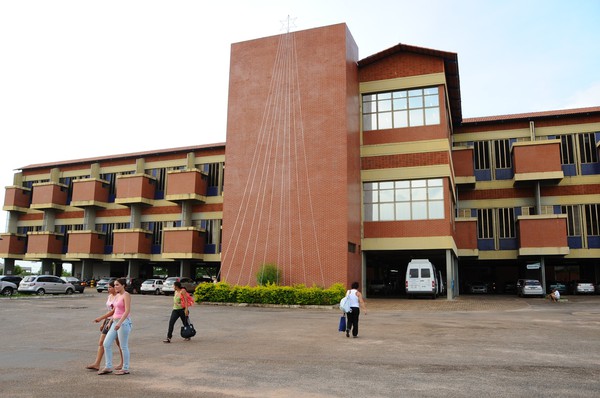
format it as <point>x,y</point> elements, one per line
<point>356,302</point>
<point>554,296</point>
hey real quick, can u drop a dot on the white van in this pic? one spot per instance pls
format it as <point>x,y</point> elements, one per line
<point>421,279</point>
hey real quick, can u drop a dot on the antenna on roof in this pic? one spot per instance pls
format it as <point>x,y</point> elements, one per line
<point>288,23</point>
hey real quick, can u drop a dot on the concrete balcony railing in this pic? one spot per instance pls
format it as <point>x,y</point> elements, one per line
<point>543,235</point>
<point>12,245</point>
<point>135,189</point>
<point>44,244</point>
<point>90,192</point>
<point>465,236</point>
<point>132,243</point>
<point>17,199</point>
<point>537,161</point>
<point>186,185</point>
<point>183,243</point>
<point>464,169</point>
<point>49,195</point>
<point>86,244</point>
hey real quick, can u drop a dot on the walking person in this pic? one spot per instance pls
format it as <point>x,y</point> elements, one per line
<point>121,328</point>
<point>181,303</point>
<point>106,320</point>
<point>356,302</point>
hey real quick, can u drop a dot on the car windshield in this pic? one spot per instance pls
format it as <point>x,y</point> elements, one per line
<point>532,283</point>
<point>148,282</point>
<point>29,279</point>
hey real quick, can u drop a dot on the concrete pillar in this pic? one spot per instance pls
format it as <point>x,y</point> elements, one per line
<point>133,269</point>
<point>186,214</point>
<point>47,267</point>
<point>363,274</point>
<point>185,268</point>
<point>9,266</point>
<point>135,219</point>
<point>449,275</point>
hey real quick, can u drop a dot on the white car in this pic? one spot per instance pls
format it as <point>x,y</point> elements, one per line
<point>7,288</point>
<point>42,284</point>
<point>153,286</point>
<point>188,283</point>
<point>529,287</point>
<point>583,288</point>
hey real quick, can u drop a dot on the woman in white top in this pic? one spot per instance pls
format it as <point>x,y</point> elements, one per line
<point>356,302</point>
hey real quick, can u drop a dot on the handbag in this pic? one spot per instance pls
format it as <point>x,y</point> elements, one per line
<point>106,325</point>
<point>342,327</point>
<point>188,330</point>
<point>345,304</point>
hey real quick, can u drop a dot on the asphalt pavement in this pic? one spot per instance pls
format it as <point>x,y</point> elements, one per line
<point>472,346</point>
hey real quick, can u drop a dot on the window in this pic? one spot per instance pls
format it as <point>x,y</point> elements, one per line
<point>404,200</point>
<point>485,224</point>
<point>573,219</point>
<point>592,219</point>
<point>587,148</point>
<point>482,155</point>
<point>506,223</point>
<point>413,273</point>
<point>579,151</point>
<point>501,154</point>
<point>402,108</point>
<point>425,273</point>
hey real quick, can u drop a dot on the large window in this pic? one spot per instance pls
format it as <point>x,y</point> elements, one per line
<point>592,219</point>
<point>402,108</point>
<point>404,200</point>
<point>578,152</point>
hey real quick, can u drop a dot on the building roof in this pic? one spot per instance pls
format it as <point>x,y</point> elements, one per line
<point>450,68</point>
<point>531,115</point>
<point>133,155</point>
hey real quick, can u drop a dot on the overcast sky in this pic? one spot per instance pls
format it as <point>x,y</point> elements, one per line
<point>83,78</point>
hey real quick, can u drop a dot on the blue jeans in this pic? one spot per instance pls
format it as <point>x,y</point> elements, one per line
<point>123,334</point>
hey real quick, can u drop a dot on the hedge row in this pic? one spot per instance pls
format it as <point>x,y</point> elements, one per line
<point>269,294</point>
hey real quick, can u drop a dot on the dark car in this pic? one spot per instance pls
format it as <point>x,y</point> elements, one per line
<point>478,287</point>
<point>558,285</point>
<point>78,284</point>
<point>134,285</point>
<point>11,278</point>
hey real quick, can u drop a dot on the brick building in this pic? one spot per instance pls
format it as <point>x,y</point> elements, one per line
<point>338,169</point>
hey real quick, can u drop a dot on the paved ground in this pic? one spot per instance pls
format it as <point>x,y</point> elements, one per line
<point>469,347</point>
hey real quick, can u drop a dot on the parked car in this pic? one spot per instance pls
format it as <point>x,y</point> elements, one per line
<point>188,283</point>
<point>7,288</point>
<point>79,285</point>
<point>153,286</point>
<point>583,287</point>
<point>478,287</point>
<point>102,284</point>
<point>377,286</point>
<point>11,278</point>
<point>134,285</point>
<point>560,286</point>
<point>42,284</point>
<point>529,287</point>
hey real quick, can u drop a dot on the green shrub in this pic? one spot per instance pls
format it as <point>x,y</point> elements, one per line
<point>270,294</point>
<point>268,274</point>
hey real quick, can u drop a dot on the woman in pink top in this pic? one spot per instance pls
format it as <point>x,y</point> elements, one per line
<point>121,326</point>
<point>107,318</point>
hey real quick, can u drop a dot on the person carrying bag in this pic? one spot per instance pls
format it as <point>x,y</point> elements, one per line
<point>181,303</point>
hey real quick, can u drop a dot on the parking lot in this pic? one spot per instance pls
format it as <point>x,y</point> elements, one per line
<point>498,346</point>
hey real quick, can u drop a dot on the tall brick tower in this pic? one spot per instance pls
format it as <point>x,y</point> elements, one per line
<point>292,173</point>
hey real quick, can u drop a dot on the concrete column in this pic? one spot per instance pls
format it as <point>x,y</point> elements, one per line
<point>133,269</point>
<point>9,266</point>
<point>191,161</point>
<point>47,267</point>
<point>135,218</point>
<point>89,218</point>
<point>449,275</point>
<point>543,272</point>
<point>184,268</point>
<point>186,214</point>
<point>363,273</point>
<point>49,220</point>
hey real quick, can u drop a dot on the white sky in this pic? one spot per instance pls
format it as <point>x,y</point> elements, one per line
<point>81,78</point>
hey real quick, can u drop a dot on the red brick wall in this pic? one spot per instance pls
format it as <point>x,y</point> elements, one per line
<point>405,160</point>
<point>293,198</point>
<point>527,158</point>
<point>401,65</point>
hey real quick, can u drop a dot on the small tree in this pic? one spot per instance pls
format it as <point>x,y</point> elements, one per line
<point>268,274</point>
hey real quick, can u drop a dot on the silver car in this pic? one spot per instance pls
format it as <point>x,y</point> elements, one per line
<point>43,284</point>
<point>152,286</point>
<point>529,287</point>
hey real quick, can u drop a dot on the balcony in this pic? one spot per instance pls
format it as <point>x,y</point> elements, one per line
<point>49,195</point>
<point>544,234</point>
<point>186,185</point>
<point>537,161</point>
<point>133,243</point>
<point>465,236</point>
<point>135,189</point>
<point>183,243</point>
<point>86,244</point>
<point>462,161</point>
<point>90,192</point>
<point>44,244</point>
<point>12,245</point>
<point>17,199</point>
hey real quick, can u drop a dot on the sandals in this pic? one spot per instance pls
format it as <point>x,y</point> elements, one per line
<point>105,371</point>
<point>122,372</point>
<point>166,340</point>
<point>92,367</point>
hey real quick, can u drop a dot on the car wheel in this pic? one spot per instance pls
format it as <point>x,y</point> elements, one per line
<point>40,292</point>
<point>69,291</point>
<point>7,291</point>
<point>99,290</point>
<point>157,292</point>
